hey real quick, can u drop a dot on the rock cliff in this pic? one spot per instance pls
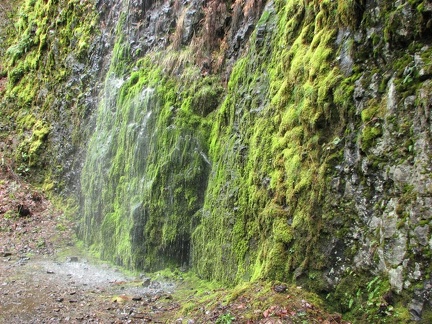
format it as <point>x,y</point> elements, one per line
<point>245,140</point>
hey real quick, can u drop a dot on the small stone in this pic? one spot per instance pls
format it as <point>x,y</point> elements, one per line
<point>23,210</point>
<point>280,288</point>
<point>416,309</point>
<point>50,272</point>
<point>59,300</point>
<point>417,273</point>
<point>136,298</point>
<point>155,285</point>
<point>396,278</point>
<point>422,234</point>
<point>72,259</point>
<point>146,282</point>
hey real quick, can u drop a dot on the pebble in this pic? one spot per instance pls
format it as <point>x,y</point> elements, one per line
<point>280,288</point>
<point>146,282</point>
<point>72,259</point>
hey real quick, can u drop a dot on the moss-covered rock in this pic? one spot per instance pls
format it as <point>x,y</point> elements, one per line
<point>285,140</point>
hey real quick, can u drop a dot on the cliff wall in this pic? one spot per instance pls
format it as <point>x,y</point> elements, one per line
<point>280,140</point>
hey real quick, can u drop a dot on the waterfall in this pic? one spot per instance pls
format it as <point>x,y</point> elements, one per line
<point>144,175</point>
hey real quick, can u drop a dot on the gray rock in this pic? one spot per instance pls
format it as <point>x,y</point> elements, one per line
<point>392,99</point>
<point>401,174</point>
<point>395,250</point>
<point>280,288</point>
<point>417,273</point>
<point>421,234</point>
<point>416,309</point>
<point>155,285</point>
<point>389,219</point>
<point>346,62</point>
<point>72,259</point>
<point>396,279</point>
<point>146,282</point>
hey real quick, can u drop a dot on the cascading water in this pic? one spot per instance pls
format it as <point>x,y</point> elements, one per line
<point>144,176</point>
<point>314,116</point>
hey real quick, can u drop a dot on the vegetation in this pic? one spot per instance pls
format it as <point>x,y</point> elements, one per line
<point>289,152</point>
<point>43,39</point>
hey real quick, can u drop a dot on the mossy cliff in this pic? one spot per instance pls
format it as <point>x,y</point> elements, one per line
<point>49,93</point>
<point>287,140</point>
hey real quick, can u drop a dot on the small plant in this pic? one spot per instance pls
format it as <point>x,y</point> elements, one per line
<point>61,227</point>
<point>41,243</point>
<point>10,214</point>
<point>368,302</point>
<point>225,319</point>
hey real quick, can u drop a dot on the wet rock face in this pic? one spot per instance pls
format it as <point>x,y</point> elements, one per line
<point>371,213</point>
<point>147,26</point>
<point>385,182</point>
<point>403,176</point>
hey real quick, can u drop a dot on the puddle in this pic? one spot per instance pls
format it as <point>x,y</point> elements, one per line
<point>82,273</point>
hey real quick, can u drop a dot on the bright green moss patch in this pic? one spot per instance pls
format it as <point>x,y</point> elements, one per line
<point>36,67</point>
<point>258,159</point>
<point>369,136</point>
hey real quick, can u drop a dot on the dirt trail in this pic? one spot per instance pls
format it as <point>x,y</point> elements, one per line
<point>41,290</point>
<point>45,279</point>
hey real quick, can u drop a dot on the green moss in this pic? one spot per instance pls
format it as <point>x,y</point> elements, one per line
<point>35,64</point>
<point>369,136</point>
<point>273,159</point>
<point>372,112</point>
<point>150,202</point>
<point>206,96</point>
<point>38,138</point>
<point>363,298</point>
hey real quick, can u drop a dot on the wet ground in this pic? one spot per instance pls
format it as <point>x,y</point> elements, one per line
<point>41,290</point>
